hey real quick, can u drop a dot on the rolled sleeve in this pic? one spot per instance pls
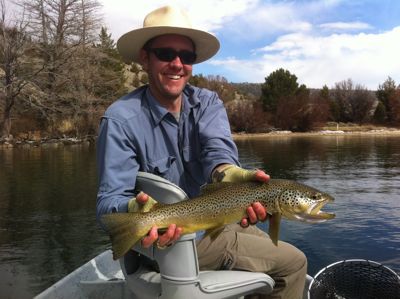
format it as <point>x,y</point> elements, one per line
<point>117,165</point>
<point>218,146</point>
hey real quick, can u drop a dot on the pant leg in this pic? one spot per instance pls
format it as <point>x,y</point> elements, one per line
<point>250,249</point>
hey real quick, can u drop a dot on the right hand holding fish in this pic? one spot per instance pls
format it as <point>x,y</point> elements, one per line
<point>143,203</point>
<point>235,174</point>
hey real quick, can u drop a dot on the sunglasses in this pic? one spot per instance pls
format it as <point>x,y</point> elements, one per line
<point>169,54</point>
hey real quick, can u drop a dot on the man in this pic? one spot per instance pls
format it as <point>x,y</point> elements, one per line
<point>182,133</point>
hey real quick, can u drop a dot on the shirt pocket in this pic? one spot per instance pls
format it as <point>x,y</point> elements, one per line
<point>162,167</point>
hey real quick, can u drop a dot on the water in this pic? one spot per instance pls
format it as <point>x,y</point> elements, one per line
<point>362,173</point>
<point>47,203</point>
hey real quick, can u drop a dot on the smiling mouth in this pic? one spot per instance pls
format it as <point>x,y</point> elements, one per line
<point>174,77</point>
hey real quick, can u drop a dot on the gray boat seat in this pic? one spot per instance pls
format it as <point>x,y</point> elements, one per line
<point>179,275</point>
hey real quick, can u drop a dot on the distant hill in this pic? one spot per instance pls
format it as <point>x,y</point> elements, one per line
<point>248,89</point>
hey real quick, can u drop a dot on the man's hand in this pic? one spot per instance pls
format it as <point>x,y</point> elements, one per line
<point>141,203</point>
<point>172,234</point>
<point>232,173</point>
<point>144,203</point>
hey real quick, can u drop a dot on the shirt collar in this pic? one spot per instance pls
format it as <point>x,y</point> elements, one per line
<point>159,112</point>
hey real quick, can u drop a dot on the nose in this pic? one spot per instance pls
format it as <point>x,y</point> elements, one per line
<point>177,62</point>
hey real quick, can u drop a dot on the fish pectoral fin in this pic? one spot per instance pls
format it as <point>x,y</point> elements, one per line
<point>274,225</point>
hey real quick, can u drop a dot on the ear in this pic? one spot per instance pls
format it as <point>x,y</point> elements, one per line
<point>144,59</point>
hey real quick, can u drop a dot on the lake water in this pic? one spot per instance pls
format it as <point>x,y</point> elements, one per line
<point>47,204</point>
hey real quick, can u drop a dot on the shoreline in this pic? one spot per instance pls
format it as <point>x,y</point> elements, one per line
<point>375,132</point>
<point>90,140</point>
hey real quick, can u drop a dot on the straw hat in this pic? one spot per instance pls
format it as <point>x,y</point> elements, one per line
<point>166,20</point>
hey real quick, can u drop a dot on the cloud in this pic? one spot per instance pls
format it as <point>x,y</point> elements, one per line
<point>346,26</point>
<point>320,41</point>
<point>264,19</point>
<point>124,15</point>
<point>367,59</point>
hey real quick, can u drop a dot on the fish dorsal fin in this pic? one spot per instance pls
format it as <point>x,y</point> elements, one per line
<point>210,188</point>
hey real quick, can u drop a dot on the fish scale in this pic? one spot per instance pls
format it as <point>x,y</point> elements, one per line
<point>218,205</point>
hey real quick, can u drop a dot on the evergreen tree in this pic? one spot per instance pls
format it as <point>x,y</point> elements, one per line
<point>279,85</point>
<point>384,93</point>
<point>111,81</point>
<point>380,113</point>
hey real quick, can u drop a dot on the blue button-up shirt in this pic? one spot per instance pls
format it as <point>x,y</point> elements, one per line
<point>138,134</point>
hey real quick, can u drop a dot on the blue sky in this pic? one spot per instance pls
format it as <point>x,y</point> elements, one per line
<point>321,42</point>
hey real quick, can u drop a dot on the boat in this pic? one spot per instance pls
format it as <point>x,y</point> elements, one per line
<point>102,277</point>
<point>177,275</point>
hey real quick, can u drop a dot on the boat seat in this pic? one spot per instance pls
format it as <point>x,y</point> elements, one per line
<point>179,276</point>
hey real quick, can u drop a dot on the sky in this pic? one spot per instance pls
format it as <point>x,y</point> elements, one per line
<point>322,42</point>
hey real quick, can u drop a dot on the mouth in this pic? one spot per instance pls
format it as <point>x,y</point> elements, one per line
<point>314,213</point>
<point>174,77</point>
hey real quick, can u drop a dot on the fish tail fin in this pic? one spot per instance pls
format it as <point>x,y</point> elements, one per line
<point>123,232</point>
<point>274,225</point>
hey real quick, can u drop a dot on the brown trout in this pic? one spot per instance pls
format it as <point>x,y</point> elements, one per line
<point>218,205</point>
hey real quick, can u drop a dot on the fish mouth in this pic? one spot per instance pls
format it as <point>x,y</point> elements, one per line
<point>314,213</point>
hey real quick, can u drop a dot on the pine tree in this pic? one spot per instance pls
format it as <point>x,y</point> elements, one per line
<point>110,83</point>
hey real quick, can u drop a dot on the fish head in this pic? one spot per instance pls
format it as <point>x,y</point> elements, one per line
<point>304,203</point>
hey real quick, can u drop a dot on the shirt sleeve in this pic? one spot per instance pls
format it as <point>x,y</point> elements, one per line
<point>117,168</point>
<point>218,146</point>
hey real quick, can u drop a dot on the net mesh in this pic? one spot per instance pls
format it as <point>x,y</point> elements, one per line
<point>355,279</point>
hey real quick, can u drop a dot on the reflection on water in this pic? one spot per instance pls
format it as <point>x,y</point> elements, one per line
<point>362,173</point>
<point>47,203</point>
<point>47,220</point>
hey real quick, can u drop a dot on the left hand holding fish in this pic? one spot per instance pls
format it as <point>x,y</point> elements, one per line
<point>170,236</point>
<point>235,174</point>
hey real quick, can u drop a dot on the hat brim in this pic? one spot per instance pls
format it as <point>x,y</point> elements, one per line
<point>130,44</point>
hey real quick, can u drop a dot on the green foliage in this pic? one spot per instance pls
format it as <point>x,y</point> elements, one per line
<point>290,106</point>
<point>384,93</point>
<point>279,85</point>
<point>324,93</point>
<point>55,74</point>
<point>385,89</point>
<point>110,69</point>
<point>380,113</point>
<point>106,42</point>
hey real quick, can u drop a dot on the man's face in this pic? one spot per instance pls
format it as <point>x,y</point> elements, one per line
<point>167,79</point>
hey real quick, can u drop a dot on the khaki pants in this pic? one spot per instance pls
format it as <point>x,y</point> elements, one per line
<point>251,249</point>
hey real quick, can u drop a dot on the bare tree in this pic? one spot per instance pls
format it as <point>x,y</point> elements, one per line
<point>64,32</point>
<point>394,104</point>
<point>354,102</point>
<point>246,116</point>
<point>362,102</point>
<point>62,29</point>
<point>13,44</point>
